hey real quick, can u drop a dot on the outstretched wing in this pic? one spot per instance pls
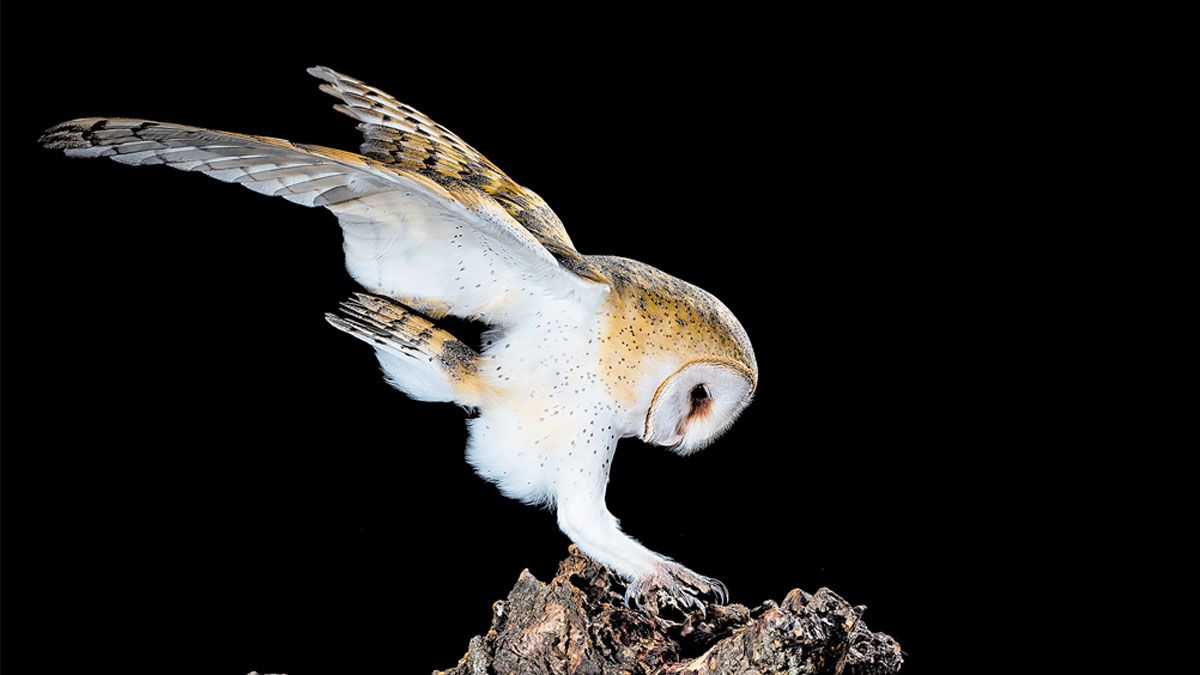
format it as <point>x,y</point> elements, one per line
<point>442,248</point>
<point>399,135</point>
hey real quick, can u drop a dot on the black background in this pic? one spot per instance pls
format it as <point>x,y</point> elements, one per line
<point>191,479</point>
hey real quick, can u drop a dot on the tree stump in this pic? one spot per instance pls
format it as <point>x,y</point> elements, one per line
<point>578,624</point>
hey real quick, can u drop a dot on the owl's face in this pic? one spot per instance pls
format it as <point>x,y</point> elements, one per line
<point>696,404</point>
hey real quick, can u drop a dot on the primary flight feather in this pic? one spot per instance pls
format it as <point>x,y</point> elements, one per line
<point>582,351</point>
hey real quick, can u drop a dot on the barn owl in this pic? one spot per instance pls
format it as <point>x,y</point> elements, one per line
<point>582,350</point>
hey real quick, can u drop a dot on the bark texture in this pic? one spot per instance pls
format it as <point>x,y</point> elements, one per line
<point>578,624</point>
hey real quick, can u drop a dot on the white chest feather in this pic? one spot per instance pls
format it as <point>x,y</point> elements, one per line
<point>549,423</point>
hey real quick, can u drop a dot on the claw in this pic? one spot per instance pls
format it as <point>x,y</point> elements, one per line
<point>719,590</point>
<point>633,591</point>
<point>682,585</point>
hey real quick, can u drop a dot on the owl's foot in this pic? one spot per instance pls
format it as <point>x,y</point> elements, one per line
<point>673,584</point>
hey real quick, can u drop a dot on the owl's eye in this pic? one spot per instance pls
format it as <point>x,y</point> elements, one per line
<point>699,396</point>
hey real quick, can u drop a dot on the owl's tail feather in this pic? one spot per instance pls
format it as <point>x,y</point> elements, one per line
<point>418,358</point>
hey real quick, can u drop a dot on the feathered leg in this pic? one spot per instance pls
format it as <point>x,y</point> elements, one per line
<point>583,516</point>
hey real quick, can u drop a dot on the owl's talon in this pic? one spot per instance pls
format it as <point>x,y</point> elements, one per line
<point>683,586</point>
<point>719,590</point>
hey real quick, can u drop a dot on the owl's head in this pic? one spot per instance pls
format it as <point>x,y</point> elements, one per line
<point>697,403</point>
<point>697,367</point>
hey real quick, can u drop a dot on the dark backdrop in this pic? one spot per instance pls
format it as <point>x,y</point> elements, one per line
<point>186,484</point>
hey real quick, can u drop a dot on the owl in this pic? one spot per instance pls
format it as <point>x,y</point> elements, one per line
<point>582,350</point>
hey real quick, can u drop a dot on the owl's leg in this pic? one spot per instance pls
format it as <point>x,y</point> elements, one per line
<point>583,516</point>
<point>418,358</point>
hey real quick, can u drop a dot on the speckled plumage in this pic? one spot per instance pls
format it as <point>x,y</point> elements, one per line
<point>583,350</point>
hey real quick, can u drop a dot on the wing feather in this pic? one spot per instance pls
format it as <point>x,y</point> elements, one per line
<point>301,174</point>
<point>404,231</point>
<point>398,134</point>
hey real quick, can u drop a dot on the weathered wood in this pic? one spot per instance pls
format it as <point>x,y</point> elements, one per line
<point>578,624</point>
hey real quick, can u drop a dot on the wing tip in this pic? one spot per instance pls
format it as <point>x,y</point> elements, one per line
<point>332,83</point>
<point>72,134</point>
<point>322,73</point>
<point>327,74</point>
